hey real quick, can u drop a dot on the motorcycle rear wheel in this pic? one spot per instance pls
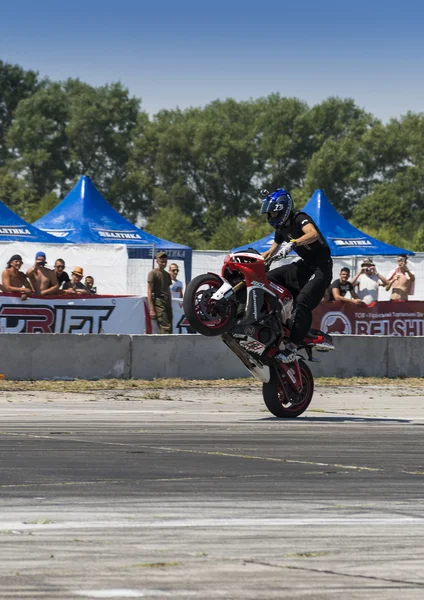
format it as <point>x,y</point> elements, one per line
<point>204,315</point>
<point>282,400</point>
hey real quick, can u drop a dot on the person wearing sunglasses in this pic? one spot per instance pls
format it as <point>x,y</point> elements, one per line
<point>176,285</point>
<point>43,280</point>
<point>61,274</point>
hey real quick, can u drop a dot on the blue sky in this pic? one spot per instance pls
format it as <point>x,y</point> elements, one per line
<point>185,53</point>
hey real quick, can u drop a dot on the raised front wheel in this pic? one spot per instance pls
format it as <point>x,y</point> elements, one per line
<point>282,400</point>
<point>204,314</point>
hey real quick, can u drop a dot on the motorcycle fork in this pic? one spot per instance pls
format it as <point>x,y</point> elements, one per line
<point>293,375</point>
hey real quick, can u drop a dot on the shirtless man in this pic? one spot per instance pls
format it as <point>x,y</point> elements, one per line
<point>44,280</point>
<point>400,280</point>
<point>14,280</point>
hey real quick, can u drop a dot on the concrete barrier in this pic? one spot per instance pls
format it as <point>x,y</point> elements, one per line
<point>65,356</point>
<point>90,356</point>
<point>354,356</point>
<point>405,357</point>
<point>187,356</point>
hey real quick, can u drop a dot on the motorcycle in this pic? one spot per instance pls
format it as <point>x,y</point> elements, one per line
<point>252,315</point>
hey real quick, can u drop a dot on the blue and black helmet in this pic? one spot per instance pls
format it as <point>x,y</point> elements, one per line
<point>279,200</point>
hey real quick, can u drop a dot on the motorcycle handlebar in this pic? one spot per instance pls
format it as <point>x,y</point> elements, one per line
<point>268,262</point>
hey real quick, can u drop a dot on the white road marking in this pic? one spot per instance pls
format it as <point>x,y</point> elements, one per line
<point>215,522</point>
<point>132,593</point>
<point>111,593</point>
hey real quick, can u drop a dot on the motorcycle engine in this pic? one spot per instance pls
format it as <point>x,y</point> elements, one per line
<point>268,332</point>
<point>264,335</point>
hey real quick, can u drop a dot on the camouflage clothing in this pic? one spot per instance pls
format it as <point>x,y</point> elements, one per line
<point>160,281</point>
<point>163,315</point>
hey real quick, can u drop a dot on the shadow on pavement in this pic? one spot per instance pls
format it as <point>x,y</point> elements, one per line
<point>341,419</point>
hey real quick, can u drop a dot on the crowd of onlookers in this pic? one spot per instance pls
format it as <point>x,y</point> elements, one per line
<point>163,284</point>
<point>39,280</point>
<point>363,287</point>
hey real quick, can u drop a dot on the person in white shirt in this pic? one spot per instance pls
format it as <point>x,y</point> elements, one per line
<point>368,281</point>
<point>176,285</point>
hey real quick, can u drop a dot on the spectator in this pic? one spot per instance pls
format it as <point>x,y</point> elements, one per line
<point>340,287</point>
<point>159,294</point>
<point>367,281</point>
<point>75,286</point>
<point>14,280</point>
<point>61,275</point>
<point>401,280</point>
<point>89,284</point>
<point>176,286</point>
<point>43,280</point>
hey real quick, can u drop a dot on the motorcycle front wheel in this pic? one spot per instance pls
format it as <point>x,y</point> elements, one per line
<point>204,314</point>
<point>282,400</point>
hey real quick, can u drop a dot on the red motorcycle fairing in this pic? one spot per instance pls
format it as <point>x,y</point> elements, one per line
<point>254,274</point>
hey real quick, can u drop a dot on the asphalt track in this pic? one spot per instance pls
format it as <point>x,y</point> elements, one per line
<point>201,493</point>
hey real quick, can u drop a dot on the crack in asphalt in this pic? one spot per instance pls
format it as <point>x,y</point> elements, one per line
<point>339,573</point>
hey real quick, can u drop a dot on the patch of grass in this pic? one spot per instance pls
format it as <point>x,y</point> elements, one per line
<point>157,565</point>
<point>85,386</point>
<point>40,522</point>
<point>152,396</point>
<point>306,554</point>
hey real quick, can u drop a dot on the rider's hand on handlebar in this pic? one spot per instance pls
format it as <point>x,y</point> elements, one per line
<point>285,249</point>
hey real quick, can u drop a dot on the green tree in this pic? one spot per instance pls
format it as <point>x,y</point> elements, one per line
<point>99,132</point>
<point>337,168</point>
<point>232,232</point>
<point>335,118</point>
<point>399,203</point>
<point>211,156</point>
<point>341,142</point>
<point>171,224</point>
<point>69,129</point>
<point>38,143</point>
<point>397,196</point>
<point>228,234</point>
<point>283,136</point>
<point>15,85</point>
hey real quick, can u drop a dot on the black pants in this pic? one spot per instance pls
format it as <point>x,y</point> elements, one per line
<point>307,284</point>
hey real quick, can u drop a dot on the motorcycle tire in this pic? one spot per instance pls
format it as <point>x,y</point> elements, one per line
<point>204,316</point>
<point>282,401</point>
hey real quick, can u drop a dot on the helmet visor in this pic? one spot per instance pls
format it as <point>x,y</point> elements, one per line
<point>268,205</point>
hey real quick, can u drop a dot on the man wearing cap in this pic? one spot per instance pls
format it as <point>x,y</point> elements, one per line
<point>43,280</point>
<point>159,295</point>
<point>76,286</point>
<point>15,281</point>
<point>367,281</point>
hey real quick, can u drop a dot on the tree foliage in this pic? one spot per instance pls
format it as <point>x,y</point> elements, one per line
<point>15,85</point>
<point>194,176</point>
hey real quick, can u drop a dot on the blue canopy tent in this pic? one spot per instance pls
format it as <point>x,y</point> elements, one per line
<point>85,217</point>
<point>15,229</point>
<point>343,238</point>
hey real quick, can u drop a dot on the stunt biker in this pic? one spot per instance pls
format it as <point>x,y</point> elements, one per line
<point>307,278</point>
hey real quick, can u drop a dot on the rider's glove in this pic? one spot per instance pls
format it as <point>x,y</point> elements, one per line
<point>285,249</point>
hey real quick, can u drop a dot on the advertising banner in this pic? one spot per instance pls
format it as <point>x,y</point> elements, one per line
<point>179,322</point>
<point>97,314</point>
<point>402,319</point>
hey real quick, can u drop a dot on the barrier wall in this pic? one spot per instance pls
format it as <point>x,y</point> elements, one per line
<point>91,356</point>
